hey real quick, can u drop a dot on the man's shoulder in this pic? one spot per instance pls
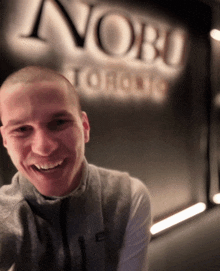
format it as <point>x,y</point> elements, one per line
<point>112,177</point>
<point>116,183</point>
<point>112,182</point>
<point>106,174</point>
<point>10,198</point>
<point>120,185</point>
<point>114,190</point>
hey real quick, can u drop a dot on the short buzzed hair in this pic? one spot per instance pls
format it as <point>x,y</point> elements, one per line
<point>32,74</point>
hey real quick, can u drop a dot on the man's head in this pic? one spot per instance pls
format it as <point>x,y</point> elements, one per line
<point>44,129</point>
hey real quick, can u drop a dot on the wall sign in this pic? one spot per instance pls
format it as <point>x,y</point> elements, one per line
<point>136,56</point>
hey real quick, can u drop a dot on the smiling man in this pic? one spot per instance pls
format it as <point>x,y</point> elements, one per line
<point>59,212</point>
<point>44,132</point>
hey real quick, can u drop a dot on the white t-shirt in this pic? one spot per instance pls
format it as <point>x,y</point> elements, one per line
<point>133,256</point>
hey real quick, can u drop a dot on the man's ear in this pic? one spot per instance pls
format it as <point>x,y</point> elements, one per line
<point>86,126</point>
<point>3,136</point>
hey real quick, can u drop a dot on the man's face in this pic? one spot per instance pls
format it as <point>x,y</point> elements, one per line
<point>45,135</point>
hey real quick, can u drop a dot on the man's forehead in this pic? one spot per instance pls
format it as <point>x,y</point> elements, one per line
<point>33,74</point>
<point>36,97</point>
<point>37,90</point>
<point>25,86</point>
<point>23,118</point>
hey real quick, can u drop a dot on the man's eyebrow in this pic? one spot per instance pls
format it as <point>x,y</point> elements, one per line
<point>63,113</point>
<point>14,123</point>
<point>59,114</point>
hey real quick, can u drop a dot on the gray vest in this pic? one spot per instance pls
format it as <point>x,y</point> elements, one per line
<point>79,232</point>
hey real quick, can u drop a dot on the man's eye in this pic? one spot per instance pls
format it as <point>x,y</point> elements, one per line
<point>22,131</point>
<point>58,124</point>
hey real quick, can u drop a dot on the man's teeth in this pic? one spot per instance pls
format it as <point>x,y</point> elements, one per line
<point>49,166</point>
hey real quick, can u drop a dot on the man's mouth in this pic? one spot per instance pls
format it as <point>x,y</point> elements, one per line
<point>48,166</point>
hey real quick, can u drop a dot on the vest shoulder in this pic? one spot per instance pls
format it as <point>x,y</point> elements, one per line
<point>10,198</point>
<point>115,195</point>
<point>109,175</point>
<point>110,180</point>
<point>114,185</point>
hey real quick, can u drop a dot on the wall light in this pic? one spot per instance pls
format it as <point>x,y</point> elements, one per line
<point>215,34</point>
<point>216,198</point>
<point>178,217</point>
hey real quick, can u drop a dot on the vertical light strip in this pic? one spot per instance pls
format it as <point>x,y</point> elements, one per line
<point>178,217</point>
<point>215,34</point>
<point>216,198</point>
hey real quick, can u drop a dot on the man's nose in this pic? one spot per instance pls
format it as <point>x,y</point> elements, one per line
<point>44,143</point>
